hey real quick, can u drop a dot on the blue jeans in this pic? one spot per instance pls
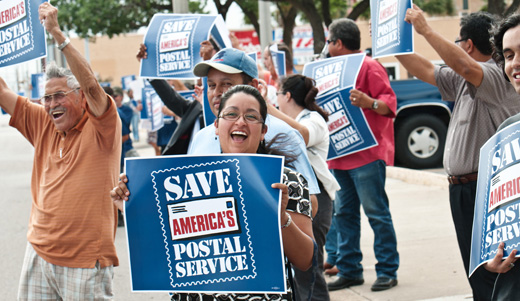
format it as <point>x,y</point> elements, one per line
<point>331,242</point>
<point>135,126</point>
<point>364,186</point>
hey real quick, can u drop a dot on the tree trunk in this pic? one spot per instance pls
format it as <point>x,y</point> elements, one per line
<point>289,21</point>
<point>309,9</point>
<point>513,8</point>
<point>360,8</point>
<point>223,8</point>
<point>325,11</point>
<point>251,14</point>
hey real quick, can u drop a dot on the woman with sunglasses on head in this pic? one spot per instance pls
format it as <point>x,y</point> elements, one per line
<point>298,108</point>
<point>241,129</point>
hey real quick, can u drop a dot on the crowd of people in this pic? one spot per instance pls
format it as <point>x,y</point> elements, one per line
<point>82,131</point>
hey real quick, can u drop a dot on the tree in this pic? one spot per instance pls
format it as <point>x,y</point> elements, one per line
<point>287,14</point>
<point>88,18</point>
<point>250,10</point>
<point>223,8</point>
<point>309,9</point>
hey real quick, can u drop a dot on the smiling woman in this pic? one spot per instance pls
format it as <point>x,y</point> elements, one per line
<point>241,129</point>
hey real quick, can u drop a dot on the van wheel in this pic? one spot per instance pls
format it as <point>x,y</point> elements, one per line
<point>420,140</point>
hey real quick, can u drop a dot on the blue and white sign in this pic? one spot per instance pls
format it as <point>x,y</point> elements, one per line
<point>335,73</point>
<point>22,37</point>
<point>173,43</point>
<point>391,35</point>
<point>209,117</point>
<point>152,109</point>
<point>38,86</point>
<point>349,131</point>
<point>497,205</point>
<point>205,224</point>
<point>126,80</point>
<point>278,59</point>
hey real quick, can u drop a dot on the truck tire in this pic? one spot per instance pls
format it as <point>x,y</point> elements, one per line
<point>419,141</point>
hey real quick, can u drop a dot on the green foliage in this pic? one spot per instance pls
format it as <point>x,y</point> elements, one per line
<point>197,7</point>
<point>436,7</point>
<point>112,17</point>
<point>338,8</point>
<point>250,5</point>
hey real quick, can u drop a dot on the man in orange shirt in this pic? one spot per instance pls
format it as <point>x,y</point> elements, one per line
<point>76,136</point>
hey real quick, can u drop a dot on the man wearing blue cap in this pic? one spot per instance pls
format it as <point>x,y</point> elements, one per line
<point>230,67</point>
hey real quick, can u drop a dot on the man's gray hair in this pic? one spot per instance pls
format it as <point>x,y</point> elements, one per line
<point>53,71</point>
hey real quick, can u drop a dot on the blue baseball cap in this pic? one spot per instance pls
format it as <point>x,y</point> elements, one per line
<point>228,60</point>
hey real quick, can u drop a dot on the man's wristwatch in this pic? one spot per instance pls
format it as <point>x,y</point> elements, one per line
<point>375,105</point>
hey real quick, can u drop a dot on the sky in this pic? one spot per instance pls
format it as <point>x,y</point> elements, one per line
<point>234,10</point>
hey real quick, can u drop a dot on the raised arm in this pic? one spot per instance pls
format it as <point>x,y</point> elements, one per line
<point>7,98</point>
<point>454,56</point>
<point>95,95</point>
<point>419,67</point>
<point>290,121</point>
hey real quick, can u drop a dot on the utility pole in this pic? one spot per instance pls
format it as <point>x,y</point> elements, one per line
<point>264,14</point>
<point>180,6</point>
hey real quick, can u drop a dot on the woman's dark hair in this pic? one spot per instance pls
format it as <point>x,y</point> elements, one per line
<point>280,141</point>
<point>303,91</point>
<point>497,39</point>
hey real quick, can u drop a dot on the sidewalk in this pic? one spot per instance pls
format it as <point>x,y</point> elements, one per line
<point>431,267</point>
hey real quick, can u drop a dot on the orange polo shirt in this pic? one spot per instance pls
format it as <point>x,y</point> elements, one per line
<point>73,221</point>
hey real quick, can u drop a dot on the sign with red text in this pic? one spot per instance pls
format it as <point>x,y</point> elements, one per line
<point>22,37</point>
<point>391,35</point>
<point>173,43</point>
<point>205,224</point>
<point>497,205</point>
<point>349,131</point>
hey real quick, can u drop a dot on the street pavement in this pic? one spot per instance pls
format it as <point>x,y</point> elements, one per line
<point>431,268</point>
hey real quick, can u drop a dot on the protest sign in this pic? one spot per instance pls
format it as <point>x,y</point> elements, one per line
<point>173,43</point>
<point>152,109</point>
<point>278,59</point>
<point>38,86</point>
<point>335,73</point>
<point>209,117</point>
<point>126,80</point>
<point>497,205</point>
<point>205,223</point>
<point>22,37</point>
<point>349,131</point>
<point>391,35</point>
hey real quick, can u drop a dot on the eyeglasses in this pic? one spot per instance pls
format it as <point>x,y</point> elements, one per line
<point>280,92</point>
<point>248,117</point>
<point>331,41</point>
<point>460,40</point>
<point>58,96</point>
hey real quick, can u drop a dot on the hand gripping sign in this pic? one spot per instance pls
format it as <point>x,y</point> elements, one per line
<point>173,43</point>
<point>205,224</point>
<point>391,35</point>
<point>349,131</point>
<point>497,205</point>
<point>22,37</point>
